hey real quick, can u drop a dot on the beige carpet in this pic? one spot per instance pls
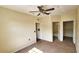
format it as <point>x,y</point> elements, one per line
<point>41,46</point>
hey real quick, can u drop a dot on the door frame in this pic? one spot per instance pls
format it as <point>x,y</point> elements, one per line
<point>74,30</point>
<point>37,29</point>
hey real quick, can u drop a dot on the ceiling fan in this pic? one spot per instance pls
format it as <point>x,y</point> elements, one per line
<point>43,10</point>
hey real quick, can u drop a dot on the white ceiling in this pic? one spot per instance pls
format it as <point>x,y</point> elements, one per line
<point>59,9</point>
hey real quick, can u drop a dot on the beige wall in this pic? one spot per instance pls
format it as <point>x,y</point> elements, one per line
<point>46,28</point>
<point>15,30</point>
<point>68,16</point>
<point>77,31</point>
<point>55,18</point>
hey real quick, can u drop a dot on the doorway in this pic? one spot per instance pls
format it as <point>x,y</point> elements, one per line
<point>68,30</point>
<point>37,31</point>
<point>55,30</point>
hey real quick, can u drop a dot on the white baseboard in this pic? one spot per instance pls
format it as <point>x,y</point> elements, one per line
<point>24,46</point>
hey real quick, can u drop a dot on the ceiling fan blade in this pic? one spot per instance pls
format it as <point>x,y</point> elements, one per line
<point>50,9</point>
<point>46,13</point>
<point>38,14</point>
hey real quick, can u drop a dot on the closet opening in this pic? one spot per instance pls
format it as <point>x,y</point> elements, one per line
<point>55,30</point>
<point>68,31</point>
